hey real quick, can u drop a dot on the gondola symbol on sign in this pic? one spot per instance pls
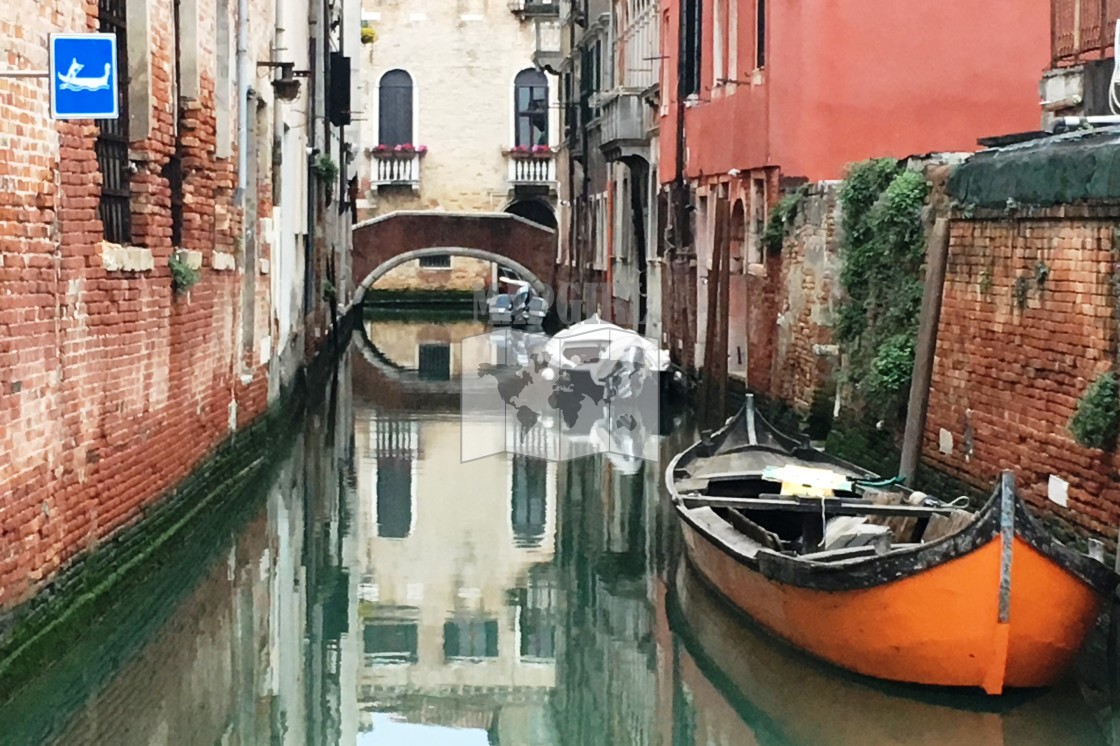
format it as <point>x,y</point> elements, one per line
<point>83,71</point>
<point>71,81</point>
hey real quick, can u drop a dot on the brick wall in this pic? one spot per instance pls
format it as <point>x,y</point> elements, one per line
<point>1011,366</point>
<point>806,297</point>
<point>111,387</point>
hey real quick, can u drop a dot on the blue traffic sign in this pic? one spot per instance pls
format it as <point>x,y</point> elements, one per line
<point>84,76</point>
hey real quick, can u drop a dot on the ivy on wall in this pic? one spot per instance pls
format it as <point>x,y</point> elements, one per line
<point>781,220</point>
<point>882,253</point>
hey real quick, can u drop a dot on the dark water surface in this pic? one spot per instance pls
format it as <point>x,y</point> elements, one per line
<point>382,592</point>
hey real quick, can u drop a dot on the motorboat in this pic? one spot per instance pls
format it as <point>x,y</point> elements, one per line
<point>604,360</point>
<point>522,306</point>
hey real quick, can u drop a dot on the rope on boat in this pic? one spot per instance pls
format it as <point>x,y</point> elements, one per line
<point>892,482</point>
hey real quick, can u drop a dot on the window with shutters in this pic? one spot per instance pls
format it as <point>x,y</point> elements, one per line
<point>395,109</point>
<point>530,108</point>
<point>395,448</point>
<point>691,47</point>
<point>435,362</point>
<point>470,638</point>
<point>760,35</point>
<point>528,509</point>
<point>112,139</point>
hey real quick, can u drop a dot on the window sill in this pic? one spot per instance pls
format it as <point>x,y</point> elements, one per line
<point>192,259</point>
<point>118,258</point>
<point>223,261</point>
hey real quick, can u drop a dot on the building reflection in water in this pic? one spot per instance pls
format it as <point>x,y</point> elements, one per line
<point>383,592</point>
<point>457,598</point>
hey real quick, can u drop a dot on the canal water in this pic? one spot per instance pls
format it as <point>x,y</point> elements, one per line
<point>381,592</point>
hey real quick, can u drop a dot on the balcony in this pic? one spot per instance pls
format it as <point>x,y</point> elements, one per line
<point>625,122</point>
<point>394,169</point>
<point>535,8</point>
<point>532,170</point>
<point>547,54</point>
<point>1082,30</point>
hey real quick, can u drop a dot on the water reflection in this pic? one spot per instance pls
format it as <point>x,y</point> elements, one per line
<point>456,600</point>
<point>380,591</point>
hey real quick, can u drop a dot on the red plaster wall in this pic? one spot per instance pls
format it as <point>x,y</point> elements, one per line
<point>111,388</point>
<point>1020,372</point>
<point>860,79</point>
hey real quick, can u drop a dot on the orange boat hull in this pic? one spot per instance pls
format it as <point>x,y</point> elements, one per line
<point>937,627</point>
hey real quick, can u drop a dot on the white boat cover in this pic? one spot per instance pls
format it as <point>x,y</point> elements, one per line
<point>618,345</point>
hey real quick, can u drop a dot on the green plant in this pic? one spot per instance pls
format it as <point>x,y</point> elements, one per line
<point>326,169</point>
<point>892,367</point>
<point>781,220</point>
<point>1096,423</point>
<point>986,282</point>
<point>183,277</point>
<point>369,36</point>
<point>882,254</point>
<point>1041,273</point>
<point>1021,291</point>
<point>329,291</point>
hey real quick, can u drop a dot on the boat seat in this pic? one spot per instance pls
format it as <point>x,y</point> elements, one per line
<point>941,526</point>
<point>839,555</point>
<point>845,532</point>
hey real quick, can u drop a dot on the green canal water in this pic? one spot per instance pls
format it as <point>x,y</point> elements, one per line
<point>371,589</point>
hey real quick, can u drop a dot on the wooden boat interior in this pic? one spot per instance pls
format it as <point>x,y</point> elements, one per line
<point>726,484</point>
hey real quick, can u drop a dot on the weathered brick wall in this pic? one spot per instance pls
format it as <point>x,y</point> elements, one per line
<point>111,387</point>
<point>1015,354</point>
<point>806,297</point>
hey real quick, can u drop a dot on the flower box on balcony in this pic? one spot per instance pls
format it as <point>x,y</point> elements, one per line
<point>536,152</point>
<point>397,151</point>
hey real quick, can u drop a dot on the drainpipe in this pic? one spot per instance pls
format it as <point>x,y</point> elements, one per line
<point>243,76</point>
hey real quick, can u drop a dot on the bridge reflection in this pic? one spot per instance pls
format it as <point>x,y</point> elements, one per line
<point>403,366</point>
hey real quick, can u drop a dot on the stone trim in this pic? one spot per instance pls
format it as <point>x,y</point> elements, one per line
<point>117,258</point>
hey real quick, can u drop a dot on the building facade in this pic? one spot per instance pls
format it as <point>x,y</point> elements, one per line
<point>456,119</point>
<point>606,53</point>
<point>162,272</point>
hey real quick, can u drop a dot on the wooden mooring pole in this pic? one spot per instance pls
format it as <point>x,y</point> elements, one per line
<point>937,254</point>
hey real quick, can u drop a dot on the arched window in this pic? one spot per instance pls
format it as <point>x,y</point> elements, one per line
<point>531,108</point>
<point>394,108</point>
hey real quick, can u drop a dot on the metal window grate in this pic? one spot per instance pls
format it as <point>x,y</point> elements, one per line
<point>112,140</point>
<point>443,261</point>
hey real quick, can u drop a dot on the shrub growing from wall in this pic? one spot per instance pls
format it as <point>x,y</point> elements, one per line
<point>882,254</point>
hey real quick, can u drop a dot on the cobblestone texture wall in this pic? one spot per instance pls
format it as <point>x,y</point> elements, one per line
<point>1014,354</point>
<point>111,387</point>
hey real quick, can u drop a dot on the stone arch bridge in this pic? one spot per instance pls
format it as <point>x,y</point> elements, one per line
<point>387,242</point>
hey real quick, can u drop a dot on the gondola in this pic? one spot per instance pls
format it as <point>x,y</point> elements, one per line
<point>748,688</point>
<point>878,579</point>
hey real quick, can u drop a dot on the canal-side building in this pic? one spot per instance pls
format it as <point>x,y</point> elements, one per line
<point>759,96</point>
<point>456,119</point>
<point>165,273</point>
<point>606,53</point>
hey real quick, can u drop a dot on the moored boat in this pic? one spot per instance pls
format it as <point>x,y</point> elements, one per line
<point>875,578</point>
<point>747,687</point>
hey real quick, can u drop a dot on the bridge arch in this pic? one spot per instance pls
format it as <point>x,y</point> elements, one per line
<point>543,289</point>
<point>387,242</point>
